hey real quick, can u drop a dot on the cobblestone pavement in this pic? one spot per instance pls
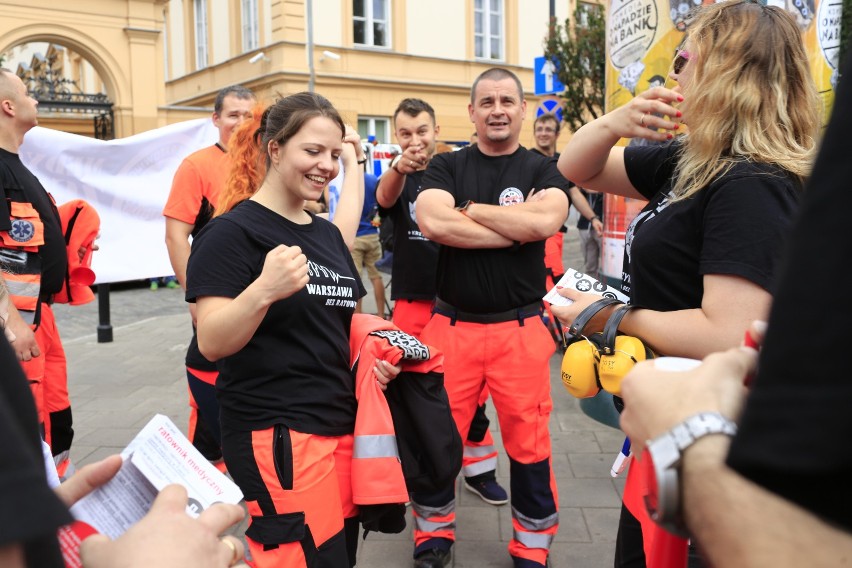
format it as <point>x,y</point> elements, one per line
<point>117,387</point>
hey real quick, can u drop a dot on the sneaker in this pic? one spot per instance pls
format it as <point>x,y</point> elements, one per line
<point>171,284</point>
<point>154,286</point>
<point>519,562</point>
<point>433,558</point>
<point>488,490</point>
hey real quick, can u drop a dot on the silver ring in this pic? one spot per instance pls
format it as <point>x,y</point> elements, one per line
<point>642,120</point>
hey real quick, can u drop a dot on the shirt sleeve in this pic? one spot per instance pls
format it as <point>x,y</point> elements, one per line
<point>439,173</point>
<point>223,261</point>
<point>184,202</point>
<point>746,221</point>
<point>650,168</point>
<point>5,213</point>
<point>549,176</point>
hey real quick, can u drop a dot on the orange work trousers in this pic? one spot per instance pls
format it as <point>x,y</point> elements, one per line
<point>298,492</point>
<point>511,359</point>
<point>48,377</point>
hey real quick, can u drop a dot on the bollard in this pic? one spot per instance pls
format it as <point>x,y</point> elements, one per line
<point>104,326</point>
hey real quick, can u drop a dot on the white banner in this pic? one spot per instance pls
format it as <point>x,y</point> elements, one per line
<point>127,181</point>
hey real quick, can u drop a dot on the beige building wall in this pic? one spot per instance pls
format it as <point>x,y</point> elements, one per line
<point>144,52</point>
<point>120,39</point>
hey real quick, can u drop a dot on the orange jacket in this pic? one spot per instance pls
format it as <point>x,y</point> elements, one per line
<point>80,225</point>
<point>378,475</point>
<point>376,468</point>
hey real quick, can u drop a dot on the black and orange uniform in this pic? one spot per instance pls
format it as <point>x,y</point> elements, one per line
<point>34,261</point>
<point>413,292</point>
<point>287,399</point>
<point>553,252</point>
<point>31,511</point>
<point>736,226</point>
<point>487,322</point>
<point>195,191</point>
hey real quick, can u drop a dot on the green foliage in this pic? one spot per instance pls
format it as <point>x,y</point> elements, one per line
<point>579,52</point>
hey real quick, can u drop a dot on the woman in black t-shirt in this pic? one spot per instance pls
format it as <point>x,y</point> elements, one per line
<point>700,258</point>
<point>276,289</point>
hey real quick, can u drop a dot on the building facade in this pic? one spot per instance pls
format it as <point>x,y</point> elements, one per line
<point>162,61</point>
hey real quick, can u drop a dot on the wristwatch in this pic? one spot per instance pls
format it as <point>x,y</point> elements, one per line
<point>464,205</point>
<point>662,460</point>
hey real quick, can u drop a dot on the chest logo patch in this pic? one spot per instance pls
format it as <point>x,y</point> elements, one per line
<point>511,196</point>
<point>22,230</point>
<point>412,348</point>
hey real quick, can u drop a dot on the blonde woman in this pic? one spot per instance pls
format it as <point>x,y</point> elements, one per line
<point>700,258</point>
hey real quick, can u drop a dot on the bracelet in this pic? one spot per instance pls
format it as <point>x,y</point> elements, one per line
<point>362,162</point>
<point>395,162</point>
<point>593,218</point>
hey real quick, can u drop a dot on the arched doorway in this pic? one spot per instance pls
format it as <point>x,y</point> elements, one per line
<point>72,96</point>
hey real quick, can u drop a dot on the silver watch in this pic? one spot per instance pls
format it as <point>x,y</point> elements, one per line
<point>663,459</point>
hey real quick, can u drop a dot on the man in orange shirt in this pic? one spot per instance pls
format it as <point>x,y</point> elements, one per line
<point>192,200</point>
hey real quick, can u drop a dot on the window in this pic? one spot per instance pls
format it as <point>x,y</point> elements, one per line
<point>250,28</point>
<point>585,8</point>
<point>200,14</point>
<point>488,29</point>
<point>371,20</point>
<point>374,126</point>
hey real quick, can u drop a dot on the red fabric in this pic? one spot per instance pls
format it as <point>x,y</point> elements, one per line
<point>87,225</point>
<point>662,549</point>
<point>411,316</point>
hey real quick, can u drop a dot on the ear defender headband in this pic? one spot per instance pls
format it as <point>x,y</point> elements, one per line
<point>600,360</point>
<point>619,354</point>
<point>580,362</point>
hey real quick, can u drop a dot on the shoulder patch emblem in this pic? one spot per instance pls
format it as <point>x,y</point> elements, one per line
<point>22,230</point>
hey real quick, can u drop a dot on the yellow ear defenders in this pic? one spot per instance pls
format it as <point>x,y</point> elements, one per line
<point>582,354</point>
<point>619,353</point>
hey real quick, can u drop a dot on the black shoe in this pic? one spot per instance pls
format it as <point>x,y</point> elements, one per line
<point>526,563</point>
<point>433,558</point>
<point>488,490</point>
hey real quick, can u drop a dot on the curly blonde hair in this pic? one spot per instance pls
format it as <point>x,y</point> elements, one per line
<point>248,166</point>
<point>751,97</point>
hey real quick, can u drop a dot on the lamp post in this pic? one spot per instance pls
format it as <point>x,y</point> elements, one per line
<point>309,8</point>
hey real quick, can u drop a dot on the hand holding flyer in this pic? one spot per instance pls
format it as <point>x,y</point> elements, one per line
<point>158,456</point>
<point>576,280</point>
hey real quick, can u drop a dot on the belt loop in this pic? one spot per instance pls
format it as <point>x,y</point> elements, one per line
<point>521,317</point>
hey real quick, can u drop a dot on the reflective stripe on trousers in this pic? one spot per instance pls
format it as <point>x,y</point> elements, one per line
<point>434,519</point>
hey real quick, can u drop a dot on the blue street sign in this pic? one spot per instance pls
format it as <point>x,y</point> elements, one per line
<point>546,82</point>
<point>550,106</point>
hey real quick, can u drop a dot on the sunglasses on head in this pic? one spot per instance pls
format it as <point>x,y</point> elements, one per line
<point>680,61</point>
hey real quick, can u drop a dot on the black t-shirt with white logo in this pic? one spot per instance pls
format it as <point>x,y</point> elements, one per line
<point>295,369</point>
<point>415,258</point>
<point>492,280</point>
<point>737,226</point>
